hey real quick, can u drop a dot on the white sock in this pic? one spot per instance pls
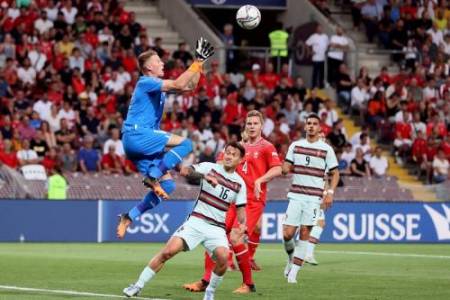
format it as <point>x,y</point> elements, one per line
<point>289,247</point>
<point>299,252</point>
<point>293,272</point>
<point>214,282</point>
<point>316,232</point>
<point>146,275</point>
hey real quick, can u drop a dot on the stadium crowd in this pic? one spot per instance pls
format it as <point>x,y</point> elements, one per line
<point>68,68</point>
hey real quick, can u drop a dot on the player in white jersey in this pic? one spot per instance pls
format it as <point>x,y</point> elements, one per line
<point>220,187</point>
<point>309,160</point>
<point>316,231</point>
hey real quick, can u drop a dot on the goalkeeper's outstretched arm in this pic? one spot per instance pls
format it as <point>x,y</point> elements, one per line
<point>189,79</point>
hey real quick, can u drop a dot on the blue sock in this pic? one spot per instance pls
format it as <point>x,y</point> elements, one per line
<point>151,200</point>
<point>171,158</point>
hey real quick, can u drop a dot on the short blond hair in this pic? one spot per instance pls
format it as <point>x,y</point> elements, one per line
<point>255,113</point>
<point>143,57</point>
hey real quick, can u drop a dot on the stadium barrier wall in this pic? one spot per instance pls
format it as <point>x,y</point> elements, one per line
<point>95,221</point>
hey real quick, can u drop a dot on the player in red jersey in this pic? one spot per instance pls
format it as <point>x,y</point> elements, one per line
<point>261,164</point>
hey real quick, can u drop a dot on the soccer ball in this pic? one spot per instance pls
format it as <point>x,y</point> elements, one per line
<point>248,16</point>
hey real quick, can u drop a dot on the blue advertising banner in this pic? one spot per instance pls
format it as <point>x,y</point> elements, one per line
<point>368,222</point>
<point>156,225</point>
<point>236,3</point>
<point>48,221</point>
<point>90,221</point>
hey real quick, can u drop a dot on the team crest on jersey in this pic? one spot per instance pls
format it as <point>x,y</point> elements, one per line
<point>255,155</point>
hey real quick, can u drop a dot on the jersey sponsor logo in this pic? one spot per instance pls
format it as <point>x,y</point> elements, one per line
<point>234,186</point>
<point>441,222</point>
<point>306,190</point>
<point>310,151</point>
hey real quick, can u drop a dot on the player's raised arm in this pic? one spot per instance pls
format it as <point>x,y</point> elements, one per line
<point>196,172</point>
<point>189,79</point>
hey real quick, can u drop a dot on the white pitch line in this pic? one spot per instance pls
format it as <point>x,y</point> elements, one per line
<point>68,292</point>
<point>392,254</point>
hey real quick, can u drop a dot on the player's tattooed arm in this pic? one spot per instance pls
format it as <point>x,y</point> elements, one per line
<point>286,168</point>
<point>193,83</point>
<point>189,172</point>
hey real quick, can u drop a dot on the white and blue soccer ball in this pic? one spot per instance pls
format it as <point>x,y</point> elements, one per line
<point>248,17</point>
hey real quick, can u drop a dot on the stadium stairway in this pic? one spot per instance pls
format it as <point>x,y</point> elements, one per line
<point>419,191</point>
<point>148,15</point>
<point>368,54</point>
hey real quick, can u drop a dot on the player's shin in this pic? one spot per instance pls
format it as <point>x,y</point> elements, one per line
<point>253,243</point>
<point>314,239</point>
<point>289,246</point>
<point>146,275</point>
<point>171,158</point>
<point>243,259</point>
<point>209,267</point>
<point>298,259</point>
<point>151,200</point>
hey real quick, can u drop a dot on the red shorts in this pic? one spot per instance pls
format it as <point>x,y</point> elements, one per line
<point>254,210</point>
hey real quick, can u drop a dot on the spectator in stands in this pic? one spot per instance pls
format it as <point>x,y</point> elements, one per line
<point>318,44</point>
<point>344,86</point>
<point>51,159</point>
<point>359,98</point>
<point>65,134</point>
<point>111,162</point>
<point>348,154</point>
<point>228,39</point>
<point>359,166</point>
<point>89,158</point>
<point>343,165</point>
<point>116,141</point>
<point>216,144</point>
<point>38,144</point>
<point>371,13</point>
<point>376,110</point>
<point>315,100</point>
<point>182,53</point>
<point>27,156</point>
<point>336,137</point>
<point>336,50</point>
<point>364,145</point>
<point>8,156</point>
<point>68,159</point>
<point>378,164</point>
<point>440,167</point>
<point>399,40</point>
<point>332,115</point>
<point>48,135</point>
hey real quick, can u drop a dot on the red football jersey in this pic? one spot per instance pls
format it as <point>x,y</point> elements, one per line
<point>259,158</point>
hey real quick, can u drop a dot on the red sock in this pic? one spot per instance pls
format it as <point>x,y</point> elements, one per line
<point>230,258</point>
<point>209,267</point>
<point>253,243</point>
<point>243,259</point>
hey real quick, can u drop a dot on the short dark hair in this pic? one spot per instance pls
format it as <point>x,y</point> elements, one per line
<point>237,146</point>
<point>313,116</point>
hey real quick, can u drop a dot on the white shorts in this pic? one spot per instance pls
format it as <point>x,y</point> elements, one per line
<point>196,231</point>
<point>300,212</point>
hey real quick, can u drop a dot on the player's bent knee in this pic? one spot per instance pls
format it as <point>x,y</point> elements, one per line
<point>187,143</point>
<point>166,254</point>
<point>304,232</point>
<point>288,232</point>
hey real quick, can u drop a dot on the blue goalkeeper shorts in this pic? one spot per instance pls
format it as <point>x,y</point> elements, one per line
<point>144,146</point>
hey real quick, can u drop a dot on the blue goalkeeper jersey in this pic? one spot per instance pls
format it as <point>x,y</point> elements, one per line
<point>147,103</point>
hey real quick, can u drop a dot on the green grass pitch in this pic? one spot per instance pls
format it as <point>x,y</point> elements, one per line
<point>346,271</point>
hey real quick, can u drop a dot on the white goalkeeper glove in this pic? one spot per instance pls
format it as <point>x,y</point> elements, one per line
<point>203,50</point>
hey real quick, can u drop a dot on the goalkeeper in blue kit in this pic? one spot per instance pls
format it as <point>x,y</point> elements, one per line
<point>144,142</point>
